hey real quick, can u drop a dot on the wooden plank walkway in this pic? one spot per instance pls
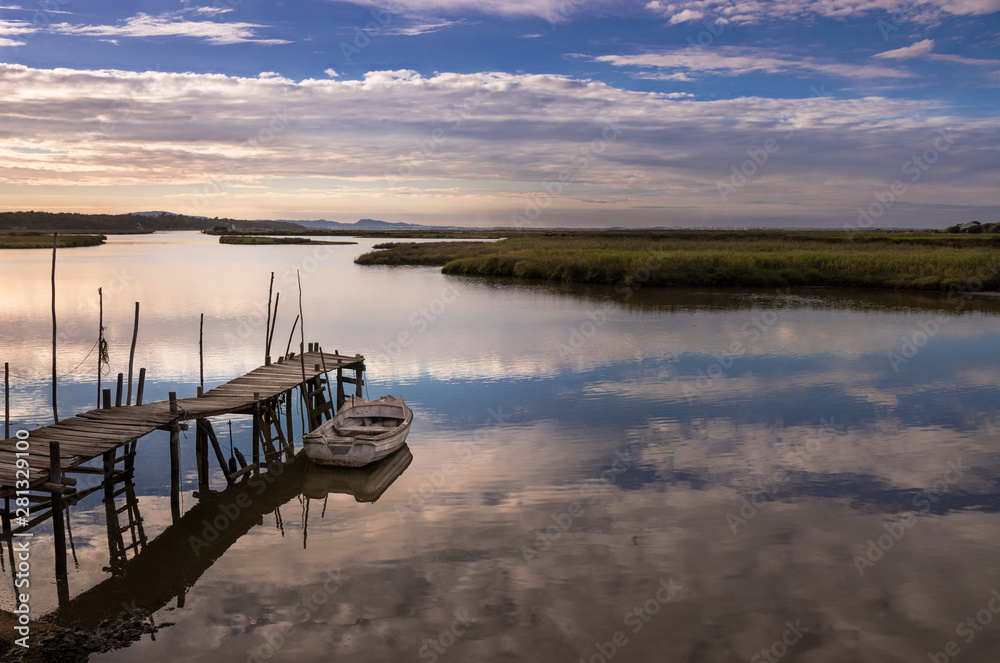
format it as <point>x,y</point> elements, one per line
<point>88,435</point>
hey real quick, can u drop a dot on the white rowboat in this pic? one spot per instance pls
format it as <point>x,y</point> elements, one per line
<point>362,432</point>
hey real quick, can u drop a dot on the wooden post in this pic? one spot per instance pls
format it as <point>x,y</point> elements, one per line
<point>359,377</point>
<point>118,392</point>
<point>329,390</point>
<point>267,325</point>
<point>201,458</point>
<point>107,399</point>
<point>201,350</point>
<point>206,425</point>
<point>58,531</point>
<point>201,391</point>
<point>172,396</point>
<point>274,324</point>
<point>288,421</point>
<point>291,336</point>
<point>256,432</point>
<point>100,341</point>
<point>302,357</point>
<point>175,474</point>
<point>142,384</point>
<point>55,407</point>
<point>340,389</point>
<point>6,401</point>
<point>131,354</point>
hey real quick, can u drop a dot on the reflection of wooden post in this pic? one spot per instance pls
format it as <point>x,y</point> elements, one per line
<point>58,531</point>
<point>175,474</point>
<point>131,354</point>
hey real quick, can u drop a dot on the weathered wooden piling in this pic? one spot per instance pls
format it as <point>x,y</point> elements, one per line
<point>118,392</point>
<point>55,407</point>
<point>58,531</point>
<point>142,384</point>
<point>175,473</point>
<point>201,351</point>
<point>6,400</point>
<point>131,354</point>
<point>100,341</point>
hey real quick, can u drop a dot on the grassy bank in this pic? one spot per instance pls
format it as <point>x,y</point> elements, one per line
<point>243,239</point>
<point>922,261</point>
<point>43,241</point>
<point>388,234</point>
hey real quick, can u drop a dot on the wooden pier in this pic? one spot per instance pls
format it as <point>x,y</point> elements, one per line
<point>103,433</point>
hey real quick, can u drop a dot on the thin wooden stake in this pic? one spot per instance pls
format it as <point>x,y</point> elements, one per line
<point>131,354</point>
<point>267,327</point>
<point>290,336</point>
<point>100,341</point>
<point>201,350</point>
<point>6,401</point>
<point>274,324</point>
<point>302,344</point>
<point>118,392</point>
<point>55,407</point>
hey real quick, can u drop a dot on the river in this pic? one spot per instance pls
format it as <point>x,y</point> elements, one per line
<point>597,474</point>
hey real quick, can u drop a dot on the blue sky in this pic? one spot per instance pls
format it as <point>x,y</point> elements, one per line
<point>506,112</point>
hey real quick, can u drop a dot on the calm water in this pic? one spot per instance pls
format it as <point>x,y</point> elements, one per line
<point>668,476</point>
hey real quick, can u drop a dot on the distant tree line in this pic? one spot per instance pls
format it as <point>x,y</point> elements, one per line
<point>973,227</point>
<point>126,223</point>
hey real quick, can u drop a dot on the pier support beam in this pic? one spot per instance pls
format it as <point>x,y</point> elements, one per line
<point>175,474</point>
<point>58,527</point>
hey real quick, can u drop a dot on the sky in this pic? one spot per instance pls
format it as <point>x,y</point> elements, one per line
<point>543,113</point>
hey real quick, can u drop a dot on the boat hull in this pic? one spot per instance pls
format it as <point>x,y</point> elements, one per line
<point>330,445</point>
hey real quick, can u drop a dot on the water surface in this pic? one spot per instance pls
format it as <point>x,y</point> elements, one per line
<point>670,475</point>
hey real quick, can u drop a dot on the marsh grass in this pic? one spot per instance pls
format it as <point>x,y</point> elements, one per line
<point>34,240</point>
<point>717,258</point>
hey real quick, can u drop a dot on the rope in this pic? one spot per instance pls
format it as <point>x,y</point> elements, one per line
<point>103,360</point>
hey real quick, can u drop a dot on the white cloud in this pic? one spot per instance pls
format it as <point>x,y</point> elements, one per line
<point>10,42</point>
<point>332,73</point>
<point>686,16</point>
<point>732,61</point>
<point>421,27</point>
<point>171,25</point>
<point>551,10</point>
<point>482,141</point>
<point>757,11</point>
<point>914,50</point>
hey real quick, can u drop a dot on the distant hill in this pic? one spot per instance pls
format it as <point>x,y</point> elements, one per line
<point>365,224</point>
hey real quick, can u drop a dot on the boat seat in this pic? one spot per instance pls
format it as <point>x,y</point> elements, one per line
<point>364,430</point>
